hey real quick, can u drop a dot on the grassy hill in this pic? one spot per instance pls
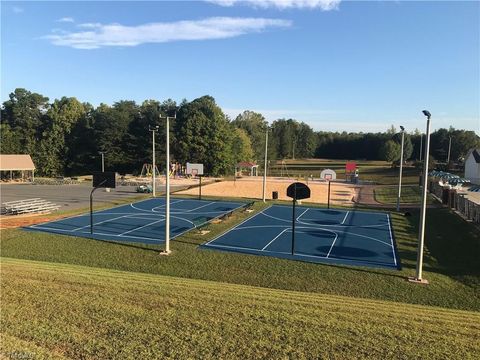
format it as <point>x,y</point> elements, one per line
<point>451,262</point>
<point>65,311</point>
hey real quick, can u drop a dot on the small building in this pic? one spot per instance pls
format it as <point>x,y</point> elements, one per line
<point>15,166</point>
<point>250,167</point>
<point>472,166</point>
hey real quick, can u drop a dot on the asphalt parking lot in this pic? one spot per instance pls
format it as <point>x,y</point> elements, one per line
<point>71,196</point>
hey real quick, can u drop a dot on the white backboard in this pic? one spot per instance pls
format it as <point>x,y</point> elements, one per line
<point>194,169</point>
<point>328,174</point>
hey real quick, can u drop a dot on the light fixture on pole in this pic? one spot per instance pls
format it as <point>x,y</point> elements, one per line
<point>421,233</point>
<point>265,167</point>
<point>153,129</point>
<point>103,159</point>
<point>167,185</point>
<point>401,169</point>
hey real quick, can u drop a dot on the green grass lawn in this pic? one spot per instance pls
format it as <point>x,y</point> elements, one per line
<point>451,262</point>
<point>410,195</point>
<point>59,311</point>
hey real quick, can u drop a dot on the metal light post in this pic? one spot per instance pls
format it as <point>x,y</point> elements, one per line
<point>153,129</point>
<point>401,169</point>
<point>103,159</point>
<point>449,148</point>
<point>421,146</point>
<point>421,234</point>
<point>167,186</point>
<point>265,166</point>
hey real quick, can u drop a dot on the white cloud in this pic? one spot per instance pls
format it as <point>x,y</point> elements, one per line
<point>17,10</point>
<point>325,5</point>
<point>66,19</point>
<point>90,25</point>
<point>100,35</point>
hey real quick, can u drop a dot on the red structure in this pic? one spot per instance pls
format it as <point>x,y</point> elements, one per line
<point>350,171</point>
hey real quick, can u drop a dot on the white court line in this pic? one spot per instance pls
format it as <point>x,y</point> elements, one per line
<point>140,227</point>
<point>345,218</point>
<point>210,203</point>
<point>275,238</point>
<point>97,233</point>
<point>321,226</point>
<point>391,240</point>
<point>260,226</point>
<point>297,219</point>
<point>244,221</point>
<point>329,225</point>
<point>151,210</point>
<point>161,206</point>
<point>333,244</point>
<point>180,218</point>
<point>98,223</point>
<point>299,254</point>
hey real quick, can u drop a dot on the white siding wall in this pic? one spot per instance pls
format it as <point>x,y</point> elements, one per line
<point>472,170</point>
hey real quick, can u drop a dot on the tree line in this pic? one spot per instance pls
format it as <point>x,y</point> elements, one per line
<point>64,137</point>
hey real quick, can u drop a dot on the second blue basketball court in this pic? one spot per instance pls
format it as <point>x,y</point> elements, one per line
<point>346,237</point>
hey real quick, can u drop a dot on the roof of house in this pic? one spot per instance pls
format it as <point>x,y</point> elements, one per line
<point>476,155</point>
<point>246,164</point>
<point>16,162</point>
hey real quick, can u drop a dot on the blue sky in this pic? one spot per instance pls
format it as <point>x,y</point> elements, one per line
<point>336,65</point>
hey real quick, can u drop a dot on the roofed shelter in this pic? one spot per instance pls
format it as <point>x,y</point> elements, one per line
<point>17,163</point>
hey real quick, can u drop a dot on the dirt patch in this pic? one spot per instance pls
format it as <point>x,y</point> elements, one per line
<point>14,221</point>
<point>340,194</point>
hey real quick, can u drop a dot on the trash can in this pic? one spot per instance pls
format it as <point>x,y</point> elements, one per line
<point>275,195</point>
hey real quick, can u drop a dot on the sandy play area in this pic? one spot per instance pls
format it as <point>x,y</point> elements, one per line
<point>341,194</point>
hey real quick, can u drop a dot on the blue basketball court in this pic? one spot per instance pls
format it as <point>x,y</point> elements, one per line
<point>142,222</point>
<point>325,236</point>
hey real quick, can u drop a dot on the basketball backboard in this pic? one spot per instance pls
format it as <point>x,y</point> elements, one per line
<point>328,174</point>
<point>194,169</point>
<point>104,179</point>
<point>298,191</point>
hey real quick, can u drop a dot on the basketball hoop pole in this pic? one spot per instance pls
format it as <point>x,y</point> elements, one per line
<point>328,203</point>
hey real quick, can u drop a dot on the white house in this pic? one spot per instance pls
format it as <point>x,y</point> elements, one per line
<point>472,166</point>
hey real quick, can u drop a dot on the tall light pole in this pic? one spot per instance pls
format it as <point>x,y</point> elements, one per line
<point>265,166</point>
<point>153,129</point>
<point>167,185</point>
<point>421,146</point>
<point>103,159</point>
<point>421,233</point>
<point>449,148</point>
<point>401,169</point>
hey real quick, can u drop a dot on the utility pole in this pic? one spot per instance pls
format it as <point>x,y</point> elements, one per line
<point>421,233</point>
<point>401,168</point>
<point>103,159</point>
<point>449,148</point>
<point>153,129</point>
